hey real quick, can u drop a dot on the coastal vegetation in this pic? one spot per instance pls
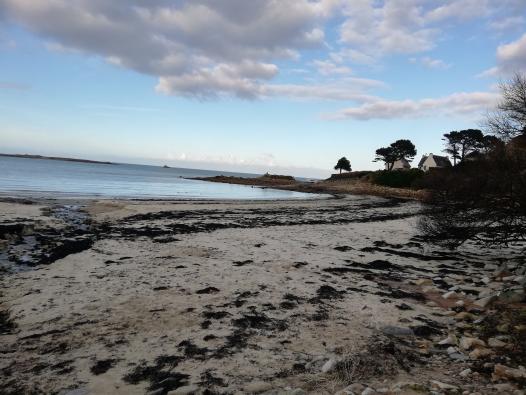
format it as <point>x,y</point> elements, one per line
<point>399,150</point>
<point>343,164</point>
<point>484,198</point>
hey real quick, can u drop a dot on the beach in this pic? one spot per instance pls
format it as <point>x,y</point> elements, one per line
<point>230,297</point>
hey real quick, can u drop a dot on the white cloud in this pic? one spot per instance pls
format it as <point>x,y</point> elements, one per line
<point>511,58</point>
<point>431,63</point>
<point>454,104</point>
<point>508,23</point>
<point>328,68</point>
<point>199,48</point>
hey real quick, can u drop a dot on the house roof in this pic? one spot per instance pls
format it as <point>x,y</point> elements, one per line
<point>424,157</point>
<point>441,161</point>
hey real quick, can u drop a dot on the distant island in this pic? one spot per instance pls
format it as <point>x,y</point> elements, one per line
<point>28,156</point>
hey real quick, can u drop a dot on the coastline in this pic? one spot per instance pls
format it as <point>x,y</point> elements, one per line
<point>329,186</point>
<point>133,297</point>
<point>59,158</point>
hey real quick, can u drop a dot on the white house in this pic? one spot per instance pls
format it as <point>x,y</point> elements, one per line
<point>433,161</point>
<point>401,164</point>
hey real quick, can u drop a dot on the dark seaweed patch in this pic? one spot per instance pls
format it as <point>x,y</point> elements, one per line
<point>102,366</point>
<point>207,290</point>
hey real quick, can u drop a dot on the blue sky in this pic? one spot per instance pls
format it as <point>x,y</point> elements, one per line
<point>286,87</point>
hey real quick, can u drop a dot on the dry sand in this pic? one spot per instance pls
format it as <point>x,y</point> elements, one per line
<point>224,295</point>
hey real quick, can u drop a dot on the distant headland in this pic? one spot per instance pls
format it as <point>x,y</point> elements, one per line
<point>28,156</point>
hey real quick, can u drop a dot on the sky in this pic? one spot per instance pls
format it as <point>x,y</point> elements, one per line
<point>285,86</point>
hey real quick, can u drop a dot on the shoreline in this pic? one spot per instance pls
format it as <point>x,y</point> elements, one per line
<point>329,186</point>
<point>132,297</point>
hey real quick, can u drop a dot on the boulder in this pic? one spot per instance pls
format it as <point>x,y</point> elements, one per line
<point>439,386</point>
<point>450,295</point>
<point>480,353</point>
<point>467,343</point>
<point>397,331</point>
<point>451,340</point>
<point>496,343</point>
<point>423,281</point>
<point>512,296</point>
<point>485,302</point>
<point>329,365</point>
<point>504,372</point>
<point>257,387</point>
<point>185,390</point>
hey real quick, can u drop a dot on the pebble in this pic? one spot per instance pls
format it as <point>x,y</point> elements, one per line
<point>328,366</point>
<point>450,340</point>
<point>496,343</point>
<point>465,373</point>
<point>185,390</point>
<point>450,295</point>
<point>437,385</point>
<point>480,353</point>
<point>257,387</point>
<point>397,331</point>
<point>467,343</point>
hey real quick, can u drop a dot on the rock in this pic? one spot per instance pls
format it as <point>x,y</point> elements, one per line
<point>450,295</point>
<point>450,340</point>
<point>296,391</point>
<point>480,353</point>
<point>501,271</point>
<point>508,278</point>
<point>459,303</point>
<point>503,328</point>
<point>429,288</point>
<point>407,387</point>
<point>159,391</point>
<point>464,316</point>
<point>437,385</point>
<point>465,373</point>
<point>328,366</point>
<point>423,281</point>
<point>496,343</point>
<point>519,279</point>
<point>504,388</point>
<point>185,390</point>
<point>467,343</point>
<point>458,356</point>
<point>368,391</point>
<point>451,350</point>
<point>354,388</point>
<point>505,372</point>
<point>485,280</point>
<point>512,296</point>
<point>257,387</point>
<point>485,302</point>
<point>397,331</point>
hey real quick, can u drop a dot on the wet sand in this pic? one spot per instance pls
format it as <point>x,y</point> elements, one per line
<point>135,297</point>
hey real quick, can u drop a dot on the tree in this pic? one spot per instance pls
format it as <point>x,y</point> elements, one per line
<point>343,164</point>
<point>509,119</point>
<point>483,200</point>
<point>461,144</point>
<point>400,149</point>
<point>452,141</point>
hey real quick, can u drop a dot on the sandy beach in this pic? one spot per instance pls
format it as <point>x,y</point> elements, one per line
<point>222,297</point>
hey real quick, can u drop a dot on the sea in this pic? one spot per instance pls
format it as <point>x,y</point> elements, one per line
<point>46,178</point>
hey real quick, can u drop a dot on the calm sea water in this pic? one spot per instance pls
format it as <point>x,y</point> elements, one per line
<point>53,178</point>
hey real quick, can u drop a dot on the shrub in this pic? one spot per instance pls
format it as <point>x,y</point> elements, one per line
<point>398,178</point>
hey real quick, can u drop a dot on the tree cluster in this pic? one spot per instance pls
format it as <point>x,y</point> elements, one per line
<point>400,149</point>
<point>483,199</point>
<point>461,144</point>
